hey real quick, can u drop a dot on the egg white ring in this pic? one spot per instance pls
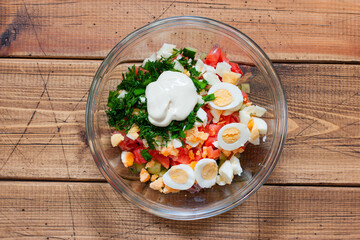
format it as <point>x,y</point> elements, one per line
<point>198,175</point>
<point>234,91</point>
<point>190,178</point>
<point>244,136</point>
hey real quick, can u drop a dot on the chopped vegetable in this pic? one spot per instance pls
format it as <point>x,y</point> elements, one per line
<point>189,52</point>
<point>199,149</point>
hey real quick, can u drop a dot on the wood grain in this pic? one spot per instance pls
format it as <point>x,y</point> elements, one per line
<point>42,132</point>
<point>296,31</point>
<point>95,211</point>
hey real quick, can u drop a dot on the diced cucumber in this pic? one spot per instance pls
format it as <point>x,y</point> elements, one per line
<point>138,166</point>
<point>162,172</point>
<point>222,159</point>
<point>245,87</point>
<point>189,52</point>
<point>203,55</point>
<point>155,169</point>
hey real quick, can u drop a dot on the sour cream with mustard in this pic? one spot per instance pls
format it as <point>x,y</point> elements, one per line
<point>171,97</point>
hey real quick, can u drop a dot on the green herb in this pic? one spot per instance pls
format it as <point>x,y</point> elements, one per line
<point>146,155</point>
<point>139,91</point>
<point>198,119</point>
<point>182,134</point>
<point>194,72</point>
<point>209,97</point>
<point>133,170</point>
<point>120,111</point>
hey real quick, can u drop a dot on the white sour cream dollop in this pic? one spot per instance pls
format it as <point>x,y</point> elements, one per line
<point>171,97</point>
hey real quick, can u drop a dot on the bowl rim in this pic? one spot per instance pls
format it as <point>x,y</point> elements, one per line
<point>252,185</point>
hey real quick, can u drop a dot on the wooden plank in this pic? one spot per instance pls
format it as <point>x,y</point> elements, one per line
<point>300,30</point>
<point>35,210</point>
<point>43,133</point>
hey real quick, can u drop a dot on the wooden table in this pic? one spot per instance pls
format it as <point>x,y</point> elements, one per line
<point>50,187</point>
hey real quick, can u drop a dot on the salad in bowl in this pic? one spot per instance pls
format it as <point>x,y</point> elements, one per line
<point>183,119</point>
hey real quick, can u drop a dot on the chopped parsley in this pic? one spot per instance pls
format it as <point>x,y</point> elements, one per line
<point>208,97</point>
<point>146,155</point>
<point>128,110</point>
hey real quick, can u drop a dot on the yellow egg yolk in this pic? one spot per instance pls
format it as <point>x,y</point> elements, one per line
<point>222,98</point>
<point>178,175</point>
<point>231,135</point>
<point>209,171</point>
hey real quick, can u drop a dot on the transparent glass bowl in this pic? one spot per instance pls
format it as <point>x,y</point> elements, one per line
<point>266,90</point>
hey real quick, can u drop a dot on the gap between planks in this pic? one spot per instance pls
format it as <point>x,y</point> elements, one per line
<point>282,61</point>
<point>79,180</point>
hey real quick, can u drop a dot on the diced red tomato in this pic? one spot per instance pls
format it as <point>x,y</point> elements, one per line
<point>173,163</point>
<point>213,56</point>
<point>235,68</point>
<point>223,57</point>
<point>245,97</point>
<point>138,158</point>
<point>128,144</point>
<point>211,153</point>
<point>165,161</point>
<point>182,157</point>
<point>204,129</point>
<point>236,116</point>
<point>214,129</point>
<point>210,141</point>
<point>228,119</point>
<point>197,153</point>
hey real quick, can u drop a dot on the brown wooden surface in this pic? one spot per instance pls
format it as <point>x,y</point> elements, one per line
<point>286,30</point>
<point>50,187</point>
<point>78,211</point>
<point>43,114</point>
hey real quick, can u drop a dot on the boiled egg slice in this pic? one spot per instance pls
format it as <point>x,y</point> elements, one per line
<point>255,110</point>
<point>233,135</point>
<point>127,158</point>
<point>179,177</point>
<point>261,125</point>
<point>247,112</point>
<point>227,96</point>
<point>205,172</point>
<point>202,115</point>
<point>216,113</point>
<point>226,173</point>
<point>165,51</point>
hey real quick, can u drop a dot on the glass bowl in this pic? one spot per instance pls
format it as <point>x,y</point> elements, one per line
<point>266,90</point>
